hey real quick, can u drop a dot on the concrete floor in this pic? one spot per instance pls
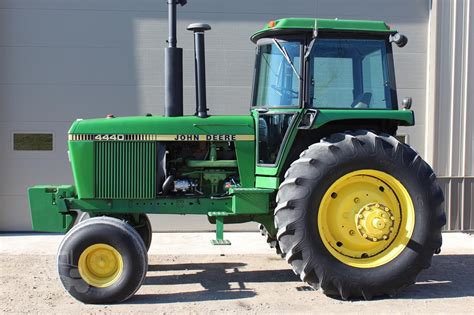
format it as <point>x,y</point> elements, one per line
<point>188,275</point>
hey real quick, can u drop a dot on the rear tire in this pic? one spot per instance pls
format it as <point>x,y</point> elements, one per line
<point>336,267</point>
<point>102,260</point>
<point>271,241</point>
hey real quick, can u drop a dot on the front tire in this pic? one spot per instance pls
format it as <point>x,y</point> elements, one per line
<point>359,215</point>
<point>143,226</point>
<point>102,260</point>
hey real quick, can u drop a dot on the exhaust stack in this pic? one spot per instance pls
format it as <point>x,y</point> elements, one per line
<point>173,66</point>
<point>200,67</point>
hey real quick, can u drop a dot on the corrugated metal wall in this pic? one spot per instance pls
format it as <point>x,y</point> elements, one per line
<point>450,110</point>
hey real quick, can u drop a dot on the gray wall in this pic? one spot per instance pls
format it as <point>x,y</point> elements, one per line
<point>61,60</point>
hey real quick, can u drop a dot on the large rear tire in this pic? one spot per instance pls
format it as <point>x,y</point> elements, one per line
<point>102,260</point>
<point>271,240</point>
<point>359,215</point>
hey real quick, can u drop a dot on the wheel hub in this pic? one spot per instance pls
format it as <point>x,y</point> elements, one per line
<point>366,218</point>
<point>375,222</point>
<point>100,265</point>
<point>102,262</point>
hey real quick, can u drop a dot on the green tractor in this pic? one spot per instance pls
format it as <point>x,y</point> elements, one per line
<point>317,164</point>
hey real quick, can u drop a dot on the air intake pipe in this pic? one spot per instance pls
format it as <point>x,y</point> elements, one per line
<point>173,66</point>
<point>200,67</point>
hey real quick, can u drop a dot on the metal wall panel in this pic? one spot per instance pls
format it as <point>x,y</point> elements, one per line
<point>459,202</point>
<point>449,135</point>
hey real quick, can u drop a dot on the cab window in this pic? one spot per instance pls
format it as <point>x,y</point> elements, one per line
<point>349,73</point>
<point>277,73</point>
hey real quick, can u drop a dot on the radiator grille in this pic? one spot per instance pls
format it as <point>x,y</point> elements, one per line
<point>125,170</point>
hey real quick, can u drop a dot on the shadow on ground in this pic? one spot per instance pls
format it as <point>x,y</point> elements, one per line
<point>450,276</point>
<point>215,278</point>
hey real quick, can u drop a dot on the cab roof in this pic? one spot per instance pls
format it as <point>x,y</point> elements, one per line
<point>293,25</point>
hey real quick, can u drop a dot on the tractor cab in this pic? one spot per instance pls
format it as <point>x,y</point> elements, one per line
<point>314,65</point>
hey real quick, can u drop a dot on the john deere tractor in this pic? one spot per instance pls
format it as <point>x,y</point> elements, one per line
<point>316,163</point>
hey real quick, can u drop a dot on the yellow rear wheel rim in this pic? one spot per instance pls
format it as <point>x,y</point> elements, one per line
<point>100,265</point>
<point>366,218</point>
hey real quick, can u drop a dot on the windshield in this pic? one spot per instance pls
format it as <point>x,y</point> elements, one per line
<point>277,76</point>
<point>349,73</point>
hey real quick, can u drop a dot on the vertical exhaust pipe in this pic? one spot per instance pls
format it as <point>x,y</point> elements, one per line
<point>200,67</point>
<point>173,66</point>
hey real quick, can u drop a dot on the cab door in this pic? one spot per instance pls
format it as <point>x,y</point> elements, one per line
<point>277,104</point>
<point>276,129</point>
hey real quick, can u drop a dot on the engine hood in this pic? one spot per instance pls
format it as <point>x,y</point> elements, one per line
<point>160,125</point>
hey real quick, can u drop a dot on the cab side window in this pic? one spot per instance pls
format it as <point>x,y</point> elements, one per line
<point>349,73</point>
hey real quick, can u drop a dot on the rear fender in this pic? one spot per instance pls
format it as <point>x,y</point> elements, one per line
<point>402,117</point>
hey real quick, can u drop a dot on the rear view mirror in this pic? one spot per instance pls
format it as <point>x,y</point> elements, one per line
<point>399,39</point>
<point>406,103</point>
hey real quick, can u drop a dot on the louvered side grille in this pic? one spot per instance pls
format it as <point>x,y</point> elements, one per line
<point>125,170</point>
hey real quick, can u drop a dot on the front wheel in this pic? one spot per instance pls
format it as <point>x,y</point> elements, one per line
<point>102,260</point>
<point>359,215</point>
<point>142,226</point>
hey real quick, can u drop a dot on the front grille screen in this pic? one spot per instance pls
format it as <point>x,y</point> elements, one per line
<point>125,170</point>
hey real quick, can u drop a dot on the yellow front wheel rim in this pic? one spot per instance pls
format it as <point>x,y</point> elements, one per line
<point>100,265</point>
<point>366,218</point>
